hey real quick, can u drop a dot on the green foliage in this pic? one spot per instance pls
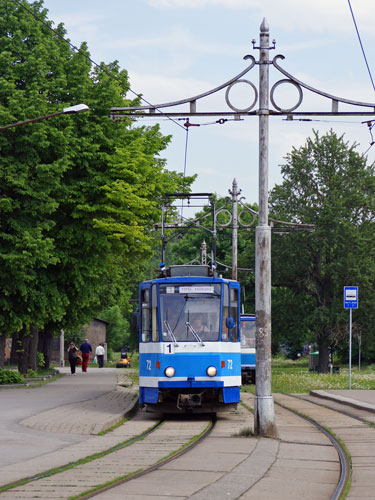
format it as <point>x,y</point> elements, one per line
<point>73,336</point>
<point>10,377</point>
<point>294,377</point>
<point>328,184</point>
<point>185,246</point>
<point>32,373</point>
<point>118,328</point>
<point>79,193</point>
<point>40,362</point>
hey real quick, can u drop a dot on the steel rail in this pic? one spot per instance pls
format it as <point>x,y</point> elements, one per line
<point>72,465</point>
<point>342,412</point>
<point>345,466</point>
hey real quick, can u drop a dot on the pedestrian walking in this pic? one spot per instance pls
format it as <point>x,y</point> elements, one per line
<point>72,356</point>
<point>85,350</point>
<point>99,353</point>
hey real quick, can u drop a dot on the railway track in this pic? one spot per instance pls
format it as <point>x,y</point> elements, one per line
<point>352,426</point>
<point>163,459</point>
<point>345,463</point>
<point>161,462</point>
<point>161,441</point>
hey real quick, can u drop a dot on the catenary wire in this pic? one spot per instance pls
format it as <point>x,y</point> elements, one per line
<point>360,42</point>
<point>185,163</point>
<point>20,4</point>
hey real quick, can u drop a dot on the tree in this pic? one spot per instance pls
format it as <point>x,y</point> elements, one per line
<point>79,195</point>
<point>118,329</point>
<point>328,184</point>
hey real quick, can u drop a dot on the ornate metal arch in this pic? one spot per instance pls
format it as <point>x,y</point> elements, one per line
<point>235,112</point>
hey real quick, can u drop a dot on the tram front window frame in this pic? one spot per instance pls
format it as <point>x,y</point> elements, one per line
<point>180,306</point>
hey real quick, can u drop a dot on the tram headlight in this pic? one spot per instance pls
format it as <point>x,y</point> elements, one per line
<point>169,371</point>
<point>211,371</point>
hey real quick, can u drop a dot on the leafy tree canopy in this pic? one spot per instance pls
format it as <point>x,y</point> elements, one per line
<point>79,193</point>
<point>328,184</point>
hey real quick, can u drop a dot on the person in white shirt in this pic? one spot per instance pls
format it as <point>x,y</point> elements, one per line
<point>99,353</point>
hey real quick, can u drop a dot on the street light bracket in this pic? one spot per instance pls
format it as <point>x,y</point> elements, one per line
<point>78,108</point>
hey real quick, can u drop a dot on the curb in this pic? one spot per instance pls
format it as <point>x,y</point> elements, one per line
<point>344,400</point>
<point>115,420</point>
<point>29,381</point>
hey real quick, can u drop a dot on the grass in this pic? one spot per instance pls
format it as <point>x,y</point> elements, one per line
<point>294,377</point>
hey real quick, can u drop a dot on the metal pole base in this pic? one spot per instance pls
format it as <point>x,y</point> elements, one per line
<point>264,417</point>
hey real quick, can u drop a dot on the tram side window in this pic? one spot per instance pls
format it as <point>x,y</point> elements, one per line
<point>234,313</point>
<point>155,321</point>
<point>224,334</point>
<point>145,304</point>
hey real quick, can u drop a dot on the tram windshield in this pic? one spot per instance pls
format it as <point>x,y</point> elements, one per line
<point>247,334</point>
<point>190,312</point>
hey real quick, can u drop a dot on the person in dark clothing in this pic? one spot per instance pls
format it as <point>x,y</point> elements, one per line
<point>85,350</point>
<point>72,356</point>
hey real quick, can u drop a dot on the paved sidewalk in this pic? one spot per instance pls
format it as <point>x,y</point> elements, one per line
<point>48,426</point>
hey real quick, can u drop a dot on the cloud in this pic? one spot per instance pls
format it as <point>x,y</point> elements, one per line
<point>178,37</point>
<point>319,16</point>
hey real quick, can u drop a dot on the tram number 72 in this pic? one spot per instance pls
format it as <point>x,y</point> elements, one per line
<point>230,364</point>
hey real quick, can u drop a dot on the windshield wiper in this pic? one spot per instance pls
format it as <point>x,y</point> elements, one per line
<point>170,333</point>
<point>196,336</point>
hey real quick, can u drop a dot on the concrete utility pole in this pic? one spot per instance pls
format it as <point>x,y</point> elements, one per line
<point>264,416</point>
<point>264,413</point>
<point>235,192</point>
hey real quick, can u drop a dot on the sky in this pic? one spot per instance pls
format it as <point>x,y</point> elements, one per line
<point>175,49</point>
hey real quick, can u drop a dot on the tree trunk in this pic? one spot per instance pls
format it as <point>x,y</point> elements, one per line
<point>45,346</point>
<point>323,353</point>
<point>16,347</point>
<point>2,349</point>
<point>27,359</point>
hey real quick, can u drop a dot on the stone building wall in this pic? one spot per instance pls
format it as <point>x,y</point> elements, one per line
<point>95,332</point>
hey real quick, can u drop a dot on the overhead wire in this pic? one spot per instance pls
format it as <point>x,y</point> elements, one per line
<point>185,163</point>
<point>101,68</point>
<point>369,72</point>
<point>20,4</point>
<point>361,44</point>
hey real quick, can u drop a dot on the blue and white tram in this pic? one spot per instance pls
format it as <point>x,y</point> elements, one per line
<point>189,349</point>
<point>248,351</point>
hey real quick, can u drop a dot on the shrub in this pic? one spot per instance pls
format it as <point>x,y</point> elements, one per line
<point>10,377</point>
<point>40,362</point>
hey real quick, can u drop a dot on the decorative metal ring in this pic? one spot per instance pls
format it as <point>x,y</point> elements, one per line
<point>242,224</point>
<point>244,110</point>
<point>226,211</point>
<point>280,82</point>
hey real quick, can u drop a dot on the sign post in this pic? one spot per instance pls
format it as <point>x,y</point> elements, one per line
<point>350,302</point>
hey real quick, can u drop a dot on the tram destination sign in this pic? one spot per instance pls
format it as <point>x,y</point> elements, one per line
<point>350,297</point>
<point>196,289</point>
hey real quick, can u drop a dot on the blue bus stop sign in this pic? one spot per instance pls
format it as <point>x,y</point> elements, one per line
<point>350,297</point>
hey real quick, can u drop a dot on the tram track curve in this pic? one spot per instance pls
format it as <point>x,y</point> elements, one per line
<point>353,426</point>
<point>344,457</point>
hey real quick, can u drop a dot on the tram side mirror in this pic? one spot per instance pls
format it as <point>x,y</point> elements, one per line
<point>229,322</point>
